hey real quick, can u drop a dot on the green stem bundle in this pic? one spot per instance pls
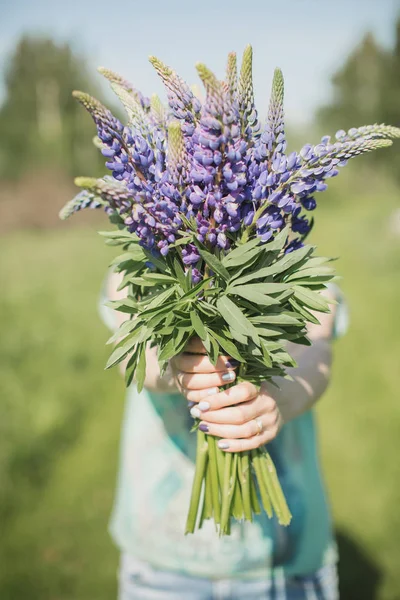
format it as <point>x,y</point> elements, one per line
<point>231,491</point>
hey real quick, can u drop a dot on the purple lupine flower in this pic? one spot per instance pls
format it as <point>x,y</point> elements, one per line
<point>210,167</point>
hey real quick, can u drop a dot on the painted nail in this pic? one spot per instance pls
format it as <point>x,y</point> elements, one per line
<point>223,445</point>
<point>203,427</point>
<point>203,406</point>
<point>195,412</point>
<point>212,391</point>
<point>230,376</point>
<point>191,404</point>
<point>232,363</point>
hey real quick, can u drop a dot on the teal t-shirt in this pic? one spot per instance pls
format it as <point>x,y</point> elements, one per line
<point>154,486</point>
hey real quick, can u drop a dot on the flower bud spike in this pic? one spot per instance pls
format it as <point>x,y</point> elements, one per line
<point>118,79</point>
<point>214,103</point>
<point>138,120</point>
<point>369,132</point>
<point>247,109</point>
<point>84,199</point>
<point>177,159</point>
<point>158,111</point>
<point>179,93</point>
<point>231,75</point>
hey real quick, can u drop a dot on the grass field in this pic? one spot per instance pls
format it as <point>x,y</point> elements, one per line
<point>60,412</point>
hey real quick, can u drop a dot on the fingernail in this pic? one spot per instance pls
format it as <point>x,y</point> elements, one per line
<point>223,445</point>
<point>203,427</point>
<point>203,406</point>
<point>191,404</point>
<point>195,412</point>
<point>212,391</point>
<point>230,376</point>
<point>232,363</point>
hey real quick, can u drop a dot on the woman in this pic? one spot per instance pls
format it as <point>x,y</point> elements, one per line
<point>259,559</point>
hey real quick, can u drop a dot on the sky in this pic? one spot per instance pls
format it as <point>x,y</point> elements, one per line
<point>307,39</point>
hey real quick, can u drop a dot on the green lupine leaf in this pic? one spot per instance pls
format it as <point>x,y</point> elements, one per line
<point>247,292</point>
<point>311,299</point>
<point>141,369</point>
<point>266,355</point>
<point>120,234</point>
<point>131,367</point>
<point>214,349</point>
<point>127,305</point>
<point>228,346</point>
<point>215,264</point>
<point>263,288</point>
<point>306,314</point>
<point>238,255</point>
<point>235,318</point>
<point>161,298</point>
<point>270,332</point>
<point>133,255</point>
<point>180,275</point>
<point>316,272</point>
<point>121,351</point>
<point>126,327</point>
<point>284,318</point>
<point>198,325</point>
<point>167,351</point>
<point>158,278</point>
<point>196,289</point>
<point>238,336</point>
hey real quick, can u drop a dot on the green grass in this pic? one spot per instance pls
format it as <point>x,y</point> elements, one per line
<point>61,412</point>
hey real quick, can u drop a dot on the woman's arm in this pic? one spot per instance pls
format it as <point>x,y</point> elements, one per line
<point>311,376</point>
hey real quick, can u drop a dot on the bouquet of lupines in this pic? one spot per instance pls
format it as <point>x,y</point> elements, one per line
<point>212,217</point>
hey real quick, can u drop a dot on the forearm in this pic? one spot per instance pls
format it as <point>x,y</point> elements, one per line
<point>309,380</point>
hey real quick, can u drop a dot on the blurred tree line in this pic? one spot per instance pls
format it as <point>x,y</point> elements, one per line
<point>366,91</point>
<point>41,125</point>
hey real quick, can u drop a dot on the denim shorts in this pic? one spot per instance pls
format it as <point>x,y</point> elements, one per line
<point>138,580</point>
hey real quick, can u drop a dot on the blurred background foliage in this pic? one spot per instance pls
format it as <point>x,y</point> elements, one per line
<point>60,413</point>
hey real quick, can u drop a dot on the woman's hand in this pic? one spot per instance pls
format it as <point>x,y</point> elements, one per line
<point>242,416</point>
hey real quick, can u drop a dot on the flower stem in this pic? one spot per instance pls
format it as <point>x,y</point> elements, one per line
<point>266,502</point>
<point>213,466</point>
<point>201,462</point>
<point>244,478</point>
<point>228,490</point>
<point>207,511</point>
<point>274,489</point>
<point>237,505</point>
<point>255,505</point>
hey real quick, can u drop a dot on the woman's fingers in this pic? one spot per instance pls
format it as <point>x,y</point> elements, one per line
<point>202,381</point>
<point>242,392</point>
<point>254,428</point>
<point>241,445</point>
<point>200,363</point>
